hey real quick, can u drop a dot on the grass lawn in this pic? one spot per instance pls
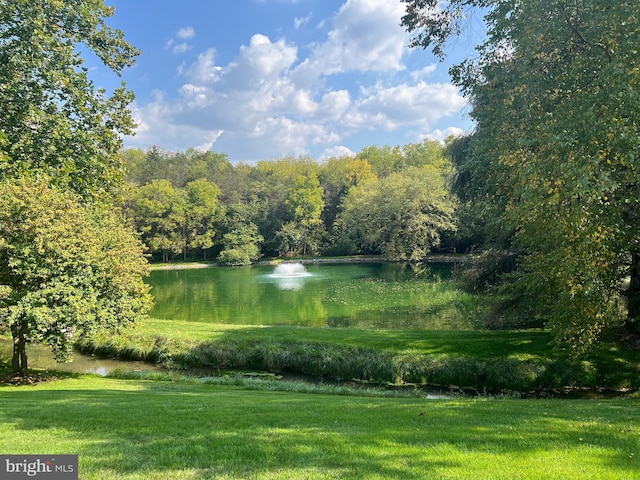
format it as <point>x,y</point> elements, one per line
<point>137,429</point>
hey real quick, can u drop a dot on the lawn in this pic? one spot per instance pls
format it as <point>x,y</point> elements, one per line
<point>137,429</point>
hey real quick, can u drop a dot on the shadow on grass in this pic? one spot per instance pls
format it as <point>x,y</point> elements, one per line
<point>164,430</point>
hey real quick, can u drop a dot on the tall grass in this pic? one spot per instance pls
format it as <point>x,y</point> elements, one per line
<point>470,363</point>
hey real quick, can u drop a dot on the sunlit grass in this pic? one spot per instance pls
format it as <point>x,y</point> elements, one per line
<point>133,429</point>
<point>508,360</point>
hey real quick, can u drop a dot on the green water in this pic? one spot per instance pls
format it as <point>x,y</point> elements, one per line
<point>327,295</point>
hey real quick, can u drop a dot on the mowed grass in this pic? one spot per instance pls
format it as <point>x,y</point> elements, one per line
<point>136,429</point>
<point>483,343</point>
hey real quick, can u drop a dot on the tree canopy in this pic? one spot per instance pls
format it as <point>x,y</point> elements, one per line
<point>65,270</point>
<point>56,122</point>
<point>292,206</point>
<point>68,265</point>
<point>555,99</point>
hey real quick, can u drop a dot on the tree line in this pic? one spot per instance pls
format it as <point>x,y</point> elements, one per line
<point>390,201</point>
<point>548,180</point>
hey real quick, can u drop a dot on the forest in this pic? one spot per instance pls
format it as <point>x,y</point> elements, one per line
<point>389,201</point>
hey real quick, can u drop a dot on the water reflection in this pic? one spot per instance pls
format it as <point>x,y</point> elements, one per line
<point>40,357</point>
<point>363,295</point>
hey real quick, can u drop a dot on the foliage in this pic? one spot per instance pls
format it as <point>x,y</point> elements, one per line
<point>200,213</point>
<point>555,100</point>
<point>337,176</point>
<point>179,168</point>
<point>65,270</point>
<point>401,215</point>
<point>57,124</point>
<point>241,245</point>
<point>293,202</point>
<point>156,211</point>
<point>303,205</point>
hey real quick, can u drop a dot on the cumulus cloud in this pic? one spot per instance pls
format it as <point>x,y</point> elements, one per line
<point>186,33</point>
<point>337,152</point>
<point>442,135</point>
<point>268,101</point>
<point>365,36</point>
<point>395,106</point>
<point>178,44</point>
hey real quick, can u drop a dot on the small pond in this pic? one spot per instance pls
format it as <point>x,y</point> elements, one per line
<point>323,295</point>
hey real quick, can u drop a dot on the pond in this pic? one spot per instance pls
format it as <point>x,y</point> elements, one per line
<point>375,295</point>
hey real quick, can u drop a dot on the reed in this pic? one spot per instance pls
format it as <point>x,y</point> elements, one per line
<point>333,361</point>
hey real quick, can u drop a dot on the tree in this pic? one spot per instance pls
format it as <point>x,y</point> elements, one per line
<point>401,216</point>
<point>337,177</point>
<point>55,121</point>
<point>200,214</point>
<point>270,184</point>
<point>157,211</point>
<point>65,270</point>
<point>304,205</point>
<point>383,160</point>
<point>554,95</point>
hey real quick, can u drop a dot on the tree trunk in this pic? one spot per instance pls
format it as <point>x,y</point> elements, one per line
<point>19,359</point>
<point>633,296</point>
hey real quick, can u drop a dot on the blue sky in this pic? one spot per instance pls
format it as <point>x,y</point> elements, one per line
<point>263,79</point>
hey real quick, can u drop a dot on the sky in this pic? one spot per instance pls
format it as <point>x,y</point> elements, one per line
<point>265,79</point>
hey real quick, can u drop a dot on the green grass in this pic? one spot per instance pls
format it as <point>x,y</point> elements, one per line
<point>509,360</point>
<point>135,429</point>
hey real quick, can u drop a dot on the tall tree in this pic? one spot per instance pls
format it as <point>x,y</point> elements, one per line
<point>554,95</point>
<point>157,210</point>
<point>304,205</point>
<point>241,241</point>
<point>200,214</point>
<point>68,265</point>
<point>337,177</point>
<point>56,122</point>
<point>65,270</point>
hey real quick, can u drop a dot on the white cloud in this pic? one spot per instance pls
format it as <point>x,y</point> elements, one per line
<point>442,135</point>
<point>186,33</point>
<point>401,105</point>
<point>299,22</point>
<point>423,73</point>
<point>204,70</point>
<point>178,44</point>
<point>337,152</point>
<point>365,36</point>
<point>267,102</point>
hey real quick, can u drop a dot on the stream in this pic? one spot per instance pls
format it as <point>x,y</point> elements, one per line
<point>40,357</point>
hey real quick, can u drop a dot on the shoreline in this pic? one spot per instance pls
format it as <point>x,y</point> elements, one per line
<point>434,258</point>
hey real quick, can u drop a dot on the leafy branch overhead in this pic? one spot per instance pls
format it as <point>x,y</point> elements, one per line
<point>56,121</point>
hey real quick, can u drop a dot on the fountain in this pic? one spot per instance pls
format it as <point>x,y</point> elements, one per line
<point>289,276</point>
<point>290,270</point>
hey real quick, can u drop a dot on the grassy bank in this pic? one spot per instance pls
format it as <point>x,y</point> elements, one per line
<point>506,360</point>
<point>159,430</point>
